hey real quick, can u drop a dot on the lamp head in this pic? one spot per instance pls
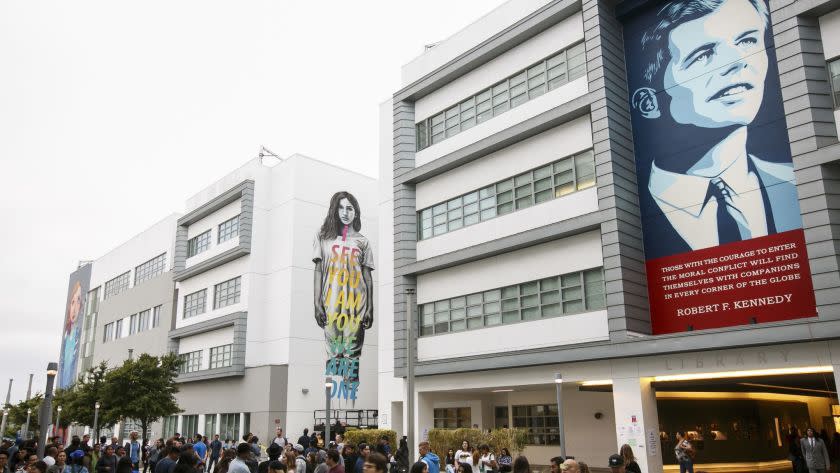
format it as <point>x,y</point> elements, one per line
<point>558,378</point>
<point>52,368</point>
<point>97,405</point>
<point>29,411</point>
<point>58,408</point>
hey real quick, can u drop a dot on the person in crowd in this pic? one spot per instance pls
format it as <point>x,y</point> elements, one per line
<point>75,444</point>
<point>214,452</point>
<point>401,457</point>
<point>630,463</point>
<point>464,468</point>
<point>420,467</point>
<point>375,463</point>
<point>124,465</point>
<point>304,439</point>
<point>428,457</point>
<point>108,461</point>
<point>228,455</point>
<point>95,453</point>
<point>24,465</point>
<point>521,465</point>
<point>570,465</point>
<point>187,461</point>
<point>349,457</point>
<point>239,464</point>
<point>488,459</point>
<point>333,462</point>
<point>79,462</point>
<point>60,463</point>
<point>20,457</point>
<point>153,455</point>
<point>134,450</point>
<point>464,453</point>
<point>4,461</point>
<point>279,439</point>
<point>49,458</point>
<point>364,451</point>
<point>475,462</point>
<point>200,448</point>
<point>449,461</point>
<point>616,463</point>
<point>38,466</point>
<point>167,463</point>
<point>300,461</point>
<point>684,452</point>
<point>505,461</point>
<point>339,441</point>
<point>311,461</point>
<point>815,452</point>
<point>321,462</point>
<point>85,444</point>
<point>119,451</point>
<point>556,463</point>
<point>584,468</point>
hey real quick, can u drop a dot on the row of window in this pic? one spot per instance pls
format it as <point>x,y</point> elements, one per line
<point>539,420</point>
<point>550,297</point>
<point>201,242</point>
<point>220,357</point>
<point>228,425</point>
<point>142,272</point>
<point>562,177</point>
<point>525,85</point>
<point>139,322</point>
<point>225,294</point>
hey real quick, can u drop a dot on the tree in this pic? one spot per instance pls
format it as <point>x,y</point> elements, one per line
<point>143,389</point>
<point>17,414</point>
<point>78,402</point>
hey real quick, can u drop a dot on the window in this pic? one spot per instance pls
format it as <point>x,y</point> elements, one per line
<point>117,285</point>
<point>109,332</point>
<point>189,425</point>
<point>156,316</point>
<point>229,426</point>
<point>170,426</point>
<point>227,293</point>
<point>191,362</point>
<point>143,320</point>
<point>550,297</point>
<point>118,329</point>
<point>198,243</point>
<point>220,357</point>
<point>570,174</point>
<point>229,229</point>
<point>93,301</point>
<point>149,269</point>
<point>546,75</point>
<point>452,417</point>
<point>195,303</point>
<point>210,425</point>
<point>540,421</point>
<point>501,417</point>
<point>133,325</point>
<point>834,73</point>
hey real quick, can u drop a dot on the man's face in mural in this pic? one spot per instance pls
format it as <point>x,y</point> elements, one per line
<point>75,304</point>
<point>346,211</point>
<point>718,65</point>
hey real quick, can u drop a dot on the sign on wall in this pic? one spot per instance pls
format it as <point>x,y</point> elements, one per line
<point>74,314</point>
<point>343,259</point>
<point>720,215</point>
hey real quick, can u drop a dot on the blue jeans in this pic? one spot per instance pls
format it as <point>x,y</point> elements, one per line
<point>687,466</point>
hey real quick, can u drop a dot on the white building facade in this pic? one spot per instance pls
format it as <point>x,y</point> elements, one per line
<point>509,183</point>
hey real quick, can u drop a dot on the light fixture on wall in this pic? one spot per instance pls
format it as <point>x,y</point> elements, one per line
<point>305,390</point>
<point>502,391</point>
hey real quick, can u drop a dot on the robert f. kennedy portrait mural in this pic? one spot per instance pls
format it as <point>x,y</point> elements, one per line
<point>712,147</point>
<point>719,206</point>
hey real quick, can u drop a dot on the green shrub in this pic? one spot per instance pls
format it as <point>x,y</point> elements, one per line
<point>441,440</point>
<point>370,436</point>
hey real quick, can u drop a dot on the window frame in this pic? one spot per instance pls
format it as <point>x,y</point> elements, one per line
<point>441,415</point>
<point>149,269</point>
<point>221,356</point>
<point>228,230</point>
<point>835,92</point>
<point>535,431</point>
<point>191,361</point>
<point>193,310</point>
<point>231,296</point>
<point>198,244</point>
<point>117,285</point>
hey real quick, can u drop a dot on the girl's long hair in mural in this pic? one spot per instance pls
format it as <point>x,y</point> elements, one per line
<point>332,226</point>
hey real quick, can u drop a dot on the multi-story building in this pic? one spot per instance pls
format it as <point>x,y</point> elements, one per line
<point>625,209</point>
<point>228,286</point>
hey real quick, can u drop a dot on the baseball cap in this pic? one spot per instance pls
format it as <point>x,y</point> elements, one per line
<point>298,447</point>
<point>616,460</point>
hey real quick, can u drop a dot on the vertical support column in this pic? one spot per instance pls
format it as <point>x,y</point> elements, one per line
<point>219,426</point>
<point>180,428</point>
<point>615,169</point>
<point>241,427</point>
<point>636,418</point>
<point>200,427</point>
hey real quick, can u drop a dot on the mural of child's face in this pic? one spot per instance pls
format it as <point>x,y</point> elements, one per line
<point>75,304</point>
<point>718,66</point>
<point>346,211</point>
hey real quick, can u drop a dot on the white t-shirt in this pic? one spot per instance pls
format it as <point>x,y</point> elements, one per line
<point>463,456</point>
<point>487,461</point>
<point>50,461</point>
<point>280,441</point>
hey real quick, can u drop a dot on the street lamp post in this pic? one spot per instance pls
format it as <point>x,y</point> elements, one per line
<point>45,415</point>
<point>410,362</point>
<point>328,391</point>
<point>57,426</point>
<point>96,422</point>
<point>26,429</point>
<point>558,383</point>
<point>3,426</point>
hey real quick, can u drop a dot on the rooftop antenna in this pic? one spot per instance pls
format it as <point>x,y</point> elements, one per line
<point>268,157</point>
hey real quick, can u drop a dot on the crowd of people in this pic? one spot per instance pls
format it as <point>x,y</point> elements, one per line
<point>310,454</point>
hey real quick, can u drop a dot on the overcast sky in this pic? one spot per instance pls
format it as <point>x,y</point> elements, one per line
<point>112,113</point>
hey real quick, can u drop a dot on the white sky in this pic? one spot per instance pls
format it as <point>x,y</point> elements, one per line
<point>112,113</point>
